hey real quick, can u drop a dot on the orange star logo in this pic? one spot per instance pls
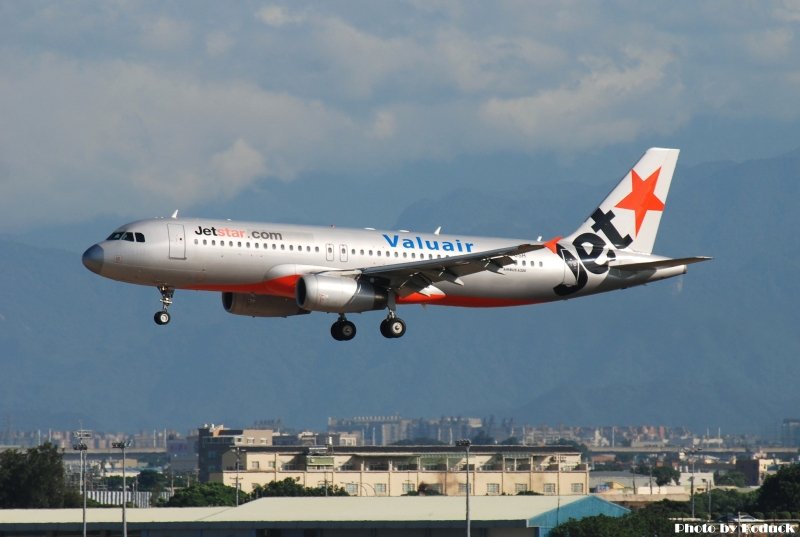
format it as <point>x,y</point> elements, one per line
<point>642,197</point>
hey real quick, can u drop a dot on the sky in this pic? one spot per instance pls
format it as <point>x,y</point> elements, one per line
<point>107,106</point>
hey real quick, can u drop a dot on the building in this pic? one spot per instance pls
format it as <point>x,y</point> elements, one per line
<point>518,516</point>
<point>400,470</point>
<point>214,440</point>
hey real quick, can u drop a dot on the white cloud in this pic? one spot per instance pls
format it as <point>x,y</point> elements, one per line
<point>238,166</point>
<point>165,33</point>
<point>277,16</point>
<point>218,43</point>
<point>610,102</point>
<point>136,101</point>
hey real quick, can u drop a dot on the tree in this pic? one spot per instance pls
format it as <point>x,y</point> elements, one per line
<point>291,487</point>
<point>151,480</point>
<point>32,479</point>
<point>733,478</point>
<point>666,475</point>
<point>781,492</point>
<point>206,495</point>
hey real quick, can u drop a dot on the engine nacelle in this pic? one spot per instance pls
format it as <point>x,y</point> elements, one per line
<point>338,295</point>
<point>260,305</point>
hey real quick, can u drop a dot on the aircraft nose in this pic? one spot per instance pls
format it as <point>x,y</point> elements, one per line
<point>93,259</point>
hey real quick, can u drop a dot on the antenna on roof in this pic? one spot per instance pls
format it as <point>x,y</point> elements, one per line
<point>175,214</point>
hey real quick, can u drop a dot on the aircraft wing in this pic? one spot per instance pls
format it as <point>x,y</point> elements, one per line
<point>408,278</point>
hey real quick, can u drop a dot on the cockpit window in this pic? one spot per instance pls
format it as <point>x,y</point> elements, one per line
<point>129,236</point>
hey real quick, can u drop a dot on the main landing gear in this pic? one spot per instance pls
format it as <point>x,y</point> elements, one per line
<point>162,317</point>
<point>391,327</point>
<point>342,329</point>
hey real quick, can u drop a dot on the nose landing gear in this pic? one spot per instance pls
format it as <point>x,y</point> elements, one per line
<point>162,317</point>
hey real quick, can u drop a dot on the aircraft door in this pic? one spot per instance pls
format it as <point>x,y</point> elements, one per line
<point>329,254</point>
<point>343,252</point>
<point>177,241</point>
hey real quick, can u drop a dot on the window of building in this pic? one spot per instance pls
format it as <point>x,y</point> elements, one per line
<point>255,465</point>
<point>408,486</point>
<point>462,488</point>
<point>380,489</point>
<point>351,488</point>
<point>549,488</point>
<point>493,488</point>
<point>520,487</point>
<point>576,488</point>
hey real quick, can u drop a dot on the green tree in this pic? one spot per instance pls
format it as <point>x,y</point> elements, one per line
<point>291,487</point>
<point>206,495</point>
<point>151,480</point>
<point>666,475</point>
<point>32,479</point>
<point>781,492</point>
<point>731,478</point>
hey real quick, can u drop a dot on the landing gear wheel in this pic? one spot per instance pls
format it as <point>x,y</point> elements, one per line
<point>161,317</point>
<point>343,330</point>
<point>393,327</point>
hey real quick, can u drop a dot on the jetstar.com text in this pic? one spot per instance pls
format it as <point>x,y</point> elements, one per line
<point>240,233</point>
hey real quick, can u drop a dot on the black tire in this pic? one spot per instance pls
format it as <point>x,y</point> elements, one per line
<point>385,329</point>
<point>161,318</point>
<point>336,331</point>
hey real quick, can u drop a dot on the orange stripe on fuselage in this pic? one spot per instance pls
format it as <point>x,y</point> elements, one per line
<point>283,286</point>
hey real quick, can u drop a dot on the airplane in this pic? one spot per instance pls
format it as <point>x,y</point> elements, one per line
<point>281,270</point>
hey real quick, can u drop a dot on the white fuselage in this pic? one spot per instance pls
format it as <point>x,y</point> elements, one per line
<point>268,258</point>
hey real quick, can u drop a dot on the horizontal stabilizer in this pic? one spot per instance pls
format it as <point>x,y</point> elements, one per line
<point>661,263</point>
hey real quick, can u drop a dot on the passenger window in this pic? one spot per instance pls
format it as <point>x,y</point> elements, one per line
<point>239,244</point>
<point>140,237</point>
<point>195,241</point>
<point>291,247</point>
<point>205,242</point>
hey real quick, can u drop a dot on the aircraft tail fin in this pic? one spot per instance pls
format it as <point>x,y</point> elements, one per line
<point>629,216</point>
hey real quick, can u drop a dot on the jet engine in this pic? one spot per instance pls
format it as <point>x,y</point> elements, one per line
<point>338,294</point>
<point>260,305</point>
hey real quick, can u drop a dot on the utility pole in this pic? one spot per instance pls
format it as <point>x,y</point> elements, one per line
<point>466,444</point>
<point>79,445</point>
<point>122,446</point>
